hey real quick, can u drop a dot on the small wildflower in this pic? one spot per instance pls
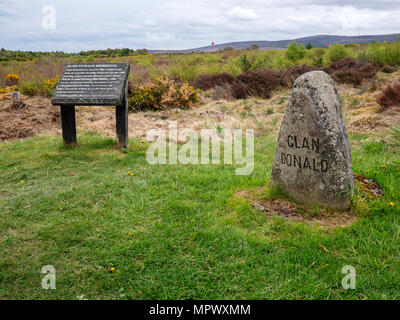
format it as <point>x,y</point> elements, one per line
<point>22,181</point>
<point>383,165</point>
<point>132,174</point>
<point>112,269</point>
<point>391,203</point>
<point>142,141</point>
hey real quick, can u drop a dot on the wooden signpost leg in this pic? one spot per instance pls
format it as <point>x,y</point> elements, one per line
<point>68,124</point>
<point>121,115</point>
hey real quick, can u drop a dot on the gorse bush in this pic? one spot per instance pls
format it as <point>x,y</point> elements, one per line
<point>187,70</point>
<point>232,66</point>
<point>52,83</point>
<point>253,60</point>
<point>8,89</point>
<point>337,52</point>
<point>390,95</point>
<point>295,52</point>
<point>12,79</point>
<point>44,88</point>
<point>262,60</point>
<point>316,55</point>
<point>29,89</point>
<point>384,53</point>
<point>162,94</point>
<point>244,63</point>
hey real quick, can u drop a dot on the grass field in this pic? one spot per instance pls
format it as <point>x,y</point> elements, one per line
<point>179,231</point>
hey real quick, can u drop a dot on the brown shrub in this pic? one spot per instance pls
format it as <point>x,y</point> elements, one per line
<point>390,95</point>
<point>344,64</point>
<point>289,76</point>
<point>20,120</point>
<point>388,69</point>
<point>222,92</point>
<point>260,83</point>
<point>352,71</point>
<point>350,76</point>
<point>239,90</point>
<point>256,83</point>
<point>209,81</point>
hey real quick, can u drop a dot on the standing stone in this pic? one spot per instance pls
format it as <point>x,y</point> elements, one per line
<point>16,97</point>
<point>313,159</point>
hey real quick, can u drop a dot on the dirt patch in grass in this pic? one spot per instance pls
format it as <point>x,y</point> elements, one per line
<point>368,186</point>
<point>279,207</point>
<point>295,212</point>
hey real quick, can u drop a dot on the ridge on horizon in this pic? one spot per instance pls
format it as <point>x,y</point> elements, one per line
<point>320,41</point>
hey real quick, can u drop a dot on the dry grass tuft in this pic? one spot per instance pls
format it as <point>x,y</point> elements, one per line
<point>390,95</point>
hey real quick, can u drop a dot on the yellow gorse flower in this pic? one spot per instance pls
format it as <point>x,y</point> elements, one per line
<point>4,90</point>
<point>8,89</point>
<point>391,203</point>
<point>52,82</point>
<point>12,79</point>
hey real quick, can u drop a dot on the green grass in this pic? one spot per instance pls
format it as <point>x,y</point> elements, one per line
<point>178,231</point>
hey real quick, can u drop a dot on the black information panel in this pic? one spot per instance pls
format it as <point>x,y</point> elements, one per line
<point>92,84</point>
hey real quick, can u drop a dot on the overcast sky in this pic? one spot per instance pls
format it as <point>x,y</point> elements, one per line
<point>72,25</point>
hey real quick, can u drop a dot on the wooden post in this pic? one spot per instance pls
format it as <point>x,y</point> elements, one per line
<point>68,124</point>
<point>121,116</point>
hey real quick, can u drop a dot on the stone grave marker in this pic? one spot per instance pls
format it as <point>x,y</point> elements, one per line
<point>93,85</point>
<point>16,98</point>
<point>313,159</point>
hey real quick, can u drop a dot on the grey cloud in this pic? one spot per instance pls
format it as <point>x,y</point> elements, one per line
<point>179,24</point>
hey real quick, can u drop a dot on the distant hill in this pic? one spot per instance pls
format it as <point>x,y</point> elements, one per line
<point>320,41</point>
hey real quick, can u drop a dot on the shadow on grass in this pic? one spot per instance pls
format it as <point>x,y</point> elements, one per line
<point>92,146</point>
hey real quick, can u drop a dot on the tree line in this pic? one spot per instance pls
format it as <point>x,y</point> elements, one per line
<point>9,55</point>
